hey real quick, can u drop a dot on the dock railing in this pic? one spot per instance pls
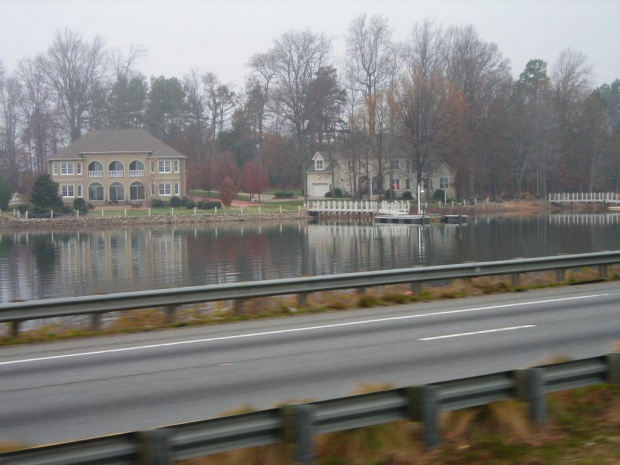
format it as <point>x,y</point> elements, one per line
<point>399,207</point>
<point>585,197</point>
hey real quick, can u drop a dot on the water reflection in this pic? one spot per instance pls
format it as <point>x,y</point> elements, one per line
<point>43,265</point>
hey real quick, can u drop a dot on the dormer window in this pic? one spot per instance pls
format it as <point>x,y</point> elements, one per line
<point>318,164</point>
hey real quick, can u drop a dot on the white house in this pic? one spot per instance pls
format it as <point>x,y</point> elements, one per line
<point>322,175</point>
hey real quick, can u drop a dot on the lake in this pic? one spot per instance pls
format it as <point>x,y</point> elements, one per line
<point>63,264</point>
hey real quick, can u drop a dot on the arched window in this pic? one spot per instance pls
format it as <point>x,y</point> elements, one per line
<point>136,191</point>
<point>136,169</point>
<point>95,169</point>
<point>116,169</point>
<point>117,192</point>
<point>95,190</point>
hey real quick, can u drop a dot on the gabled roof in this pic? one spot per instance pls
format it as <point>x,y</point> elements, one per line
<point>118,141</point>
<point>326,165</point>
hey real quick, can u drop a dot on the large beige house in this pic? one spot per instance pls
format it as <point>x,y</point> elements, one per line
<point>400,174</point>
<point>118,166</point>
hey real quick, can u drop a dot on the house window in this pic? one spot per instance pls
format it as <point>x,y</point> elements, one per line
<point>66,168</point>
<point>443,183</point>
<point>176,166</point>
<point>55,169</point>
<point>318,164</point>
<point>95,170</point>
<point>79,189</point>
<point>95,191</point>
<point>117,192</point>
<point>176,188</point>
<point>136,169</point>
<point>67,191</point>
<point>152,167</point>
<point>136,191</point>
<point>408,166</point>
<point>408,184</point>
<point>117,170</point>
<point>395,164</point>
<point>165,189</point>
<point>78,168</point>
<point>164,166</point>
<point>396,184</point>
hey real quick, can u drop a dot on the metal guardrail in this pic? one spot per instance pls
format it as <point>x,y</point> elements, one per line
<point>299,424</point>
<point>171,298</point>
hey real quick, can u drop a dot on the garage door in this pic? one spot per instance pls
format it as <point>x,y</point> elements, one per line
<point>319,189</point>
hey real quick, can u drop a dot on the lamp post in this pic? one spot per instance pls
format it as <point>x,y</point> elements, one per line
<point>420,192</point>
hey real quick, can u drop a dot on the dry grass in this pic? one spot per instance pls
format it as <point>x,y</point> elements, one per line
<point>508,418</point>
<point>584,428</point>
<point>374,444</point>
<point>11,446</point>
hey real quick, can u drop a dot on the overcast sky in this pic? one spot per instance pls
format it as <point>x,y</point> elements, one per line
<point>221,35</point>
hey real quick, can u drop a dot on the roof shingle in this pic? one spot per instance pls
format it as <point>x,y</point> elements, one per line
<point>115,141</point>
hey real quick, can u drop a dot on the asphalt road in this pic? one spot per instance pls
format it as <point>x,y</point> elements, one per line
<point>71,390</point>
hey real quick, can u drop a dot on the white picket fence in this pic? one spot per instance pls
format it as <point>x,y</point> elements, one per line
<point>363,206</point>
<point>585,197</point>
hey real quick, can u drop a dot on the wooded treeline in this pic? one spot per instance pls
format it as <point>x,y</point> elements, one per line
<point>444,95</point>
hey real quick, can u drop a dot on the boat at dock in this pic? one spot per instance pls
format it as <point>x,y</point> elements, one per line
<point>454,219</point>
<point>402,219</point>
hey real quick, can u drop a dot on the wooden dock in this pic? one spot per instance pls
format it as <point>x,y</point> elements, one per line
<point>363,211</point>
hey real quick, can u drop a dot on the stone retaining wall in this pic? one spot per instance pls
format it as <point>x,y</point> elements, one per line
<point>97,222</point>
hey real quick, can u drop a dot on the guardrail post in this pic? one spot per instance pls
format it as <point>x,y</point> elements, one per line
<point>299,429</point>
<point>171,313</point>
<point>516,280</point>
<point>239,307</point>
<point>154,447</point>
<point>416,287</point>
<point>613,375</point>
<point>602,271</point>
<point>15,328</point>
<point>302,298</point>
<point>360,290</point>
<point>424,407</point>
<point>95,322</point>
<point>531,389</point>
<point>560,275</point>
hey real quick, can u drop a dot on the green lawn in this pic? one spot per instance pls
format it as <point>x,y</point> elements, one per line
<point>283,207</point>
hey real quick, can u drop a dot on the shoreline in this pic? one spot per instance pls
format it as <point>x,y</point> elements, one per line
<point>10,223</point>
<point>97,222</point>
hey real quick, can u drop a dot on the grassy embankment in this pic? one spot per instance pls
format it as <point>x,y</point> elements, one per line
<point>223,312</point>
<point>584,428</point>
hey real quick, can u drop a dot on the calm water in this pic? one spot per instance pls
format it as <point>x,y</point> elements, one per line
<point>37,266</point>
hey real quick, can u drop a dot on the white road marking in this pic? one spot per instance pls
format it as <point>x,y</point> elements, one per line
<point>476,332</point>
<point>293,330</point>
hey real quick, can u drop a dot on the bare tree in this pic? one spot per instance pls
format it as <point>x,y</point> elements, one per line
<point>123,65</point>
<point>9,151</point>
<point>220,100</point>
<point>264,69</point>
<point>571,79</point>
<point>196,117</point>
<point>297,58</point>
<point>37,105</point>
<point>371,67</point>
<point>74,68</point>
<point>483,76</point>
<point>423,96</point>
